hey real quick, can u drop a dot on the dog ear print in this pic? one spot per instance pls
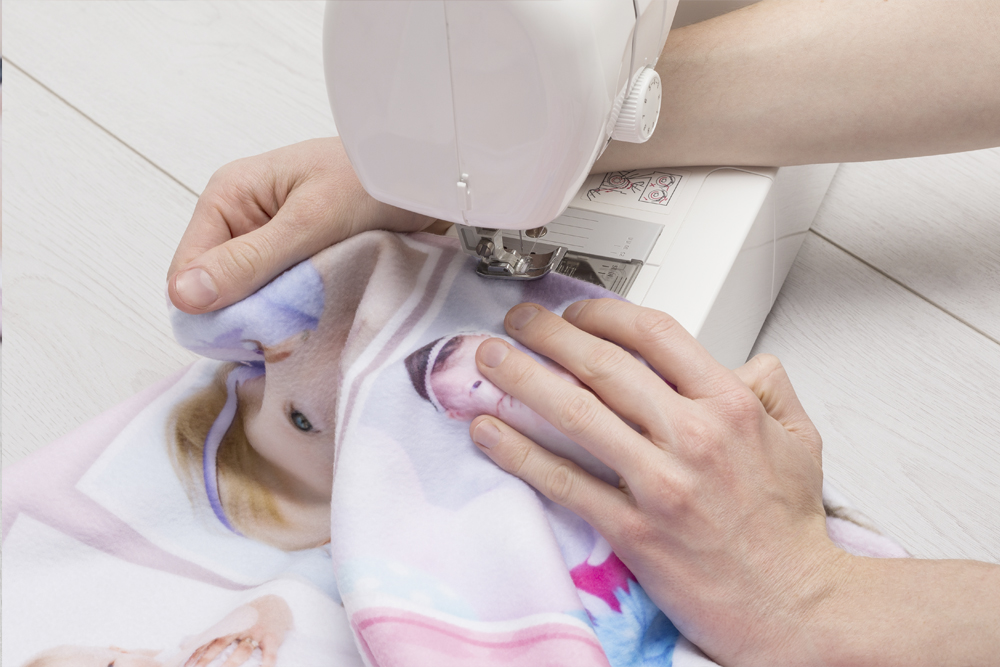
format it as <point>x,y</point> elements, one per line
<point>275,353</point>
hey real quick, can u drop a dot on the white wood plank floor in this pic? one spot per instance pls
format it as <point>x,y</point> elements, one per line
<point>116,114</point>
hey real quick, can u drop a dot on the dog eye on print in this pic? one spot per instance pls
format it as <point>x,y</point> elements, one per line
<point>282,429</point>
<point>267,447</point>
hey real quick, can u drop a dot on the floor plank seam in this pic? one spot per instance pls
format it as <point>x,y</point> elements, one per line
<point>111,134</point>
<point>907,287</point>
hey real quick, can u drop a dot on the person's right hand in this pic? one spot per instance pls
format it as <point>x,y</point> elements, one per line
<point>261,215</point>
<point>718,511</point>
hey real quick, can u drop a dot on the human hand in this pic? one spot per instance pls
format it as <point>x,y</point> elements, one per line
<point>273,619</point>
<point>719,511</point>
<point>261,215</point>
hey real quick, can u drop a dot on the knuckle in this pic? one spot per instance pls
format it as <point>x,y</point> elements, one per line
<point>517,461</point>
<point>578,413</point>
<point>700,438</point>
<point>245,261</point>
<point>231,177</point>
<point>546,332</point>
<point>560,483</point>
<point>765,368</point>
<point>604,361</point>
<point>745,408</point>
<point>653,326</point>
<point>660,485</point>
<point>741,406</point>
<point>301,206</point>
<point>520,373</point>
<point>768,363</point>
<point>695,430</point>
<point>672,494</point>
<point>681,494</point>
<point>631,529</point>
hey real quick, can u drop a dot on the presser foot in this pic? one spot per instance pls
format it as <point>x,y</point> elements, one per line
<point>498,259</point>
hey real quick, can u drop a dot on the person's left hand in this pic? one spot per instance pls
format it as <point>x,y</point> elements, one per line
<point>273,620</point>
<point>719,512</point>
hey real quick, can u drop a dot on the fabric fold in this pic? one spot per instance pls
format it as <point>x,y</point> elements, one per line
<point>321,456</point>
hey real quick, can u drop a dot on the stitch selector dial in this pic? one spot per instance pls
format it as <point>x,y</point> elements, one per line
<point>641,109</point>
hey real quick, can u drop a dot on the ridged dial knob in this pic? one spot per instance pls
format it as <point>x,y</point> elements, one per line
<point>641,109</point>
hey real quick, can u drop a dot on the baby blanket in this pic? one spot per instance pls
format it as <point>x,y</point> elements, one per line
<point>196,521</point>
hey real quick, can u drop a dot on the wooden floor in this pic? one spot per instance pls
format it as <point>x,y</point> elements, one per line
<point>116,114</point>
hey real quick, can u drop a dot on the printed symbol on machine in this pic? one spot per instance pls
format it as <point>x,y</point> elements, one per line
<point>660,189</point>
<point>652,187</point>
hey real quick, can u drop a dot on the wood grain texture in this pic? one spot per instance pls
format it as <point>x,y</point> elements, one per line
<point>931,223</point>
<point>190,85</point>
<point>90,229</point>
<point>905,397</point>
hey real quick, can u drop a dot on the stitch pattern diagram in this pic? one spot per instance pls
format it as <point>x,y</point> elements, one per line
<point>653,187</point>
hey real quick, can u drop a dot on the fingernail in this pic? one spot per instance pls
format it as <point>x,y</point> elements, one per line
<point>486,435</point>
<point>521,315</point>
<point>196,288</point>
<point>493,352</point>
<point>573,310</point>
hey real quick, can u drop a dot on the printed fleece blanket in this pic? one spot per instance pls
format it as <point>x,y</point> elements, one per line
<point>195,523</point>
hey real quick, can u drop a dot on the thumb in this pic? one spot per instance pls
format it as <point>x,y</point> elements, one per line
<point>232,270</point>
<point>767,378</point>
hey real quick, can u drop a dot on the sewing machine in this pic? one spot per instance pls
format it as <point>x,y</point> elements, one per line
<point>491,115</point>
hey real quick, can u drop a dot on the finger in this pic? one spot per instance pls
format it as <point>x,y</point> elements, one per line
<point>625,384</point>
<point>244,649</point>
<point>196,656</point>
<point>209,651</point>
<point>193,659</point>
<point>573,410</point>
<point>223,273</point>
<point>269,657</point>
<point>558,479</point>
<point>660,339</point>
<point>767,378</point>
<point>228,207</point>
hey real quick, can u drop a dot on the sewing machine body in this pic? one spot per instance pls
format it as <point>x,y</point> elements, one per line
<point>490,115</point>
<point>709,245</point>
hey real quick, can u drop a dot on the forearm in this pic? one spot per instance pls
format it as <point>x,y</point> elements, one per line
<point>910,612</point>
<point>805,81</point>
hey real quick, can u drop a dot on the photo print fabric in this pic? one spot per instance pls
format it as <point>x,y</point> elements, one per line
<point>197,519</point>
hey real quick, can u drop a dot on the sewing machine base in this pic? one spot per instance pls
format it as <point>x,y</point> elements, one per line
<point>711,246</point>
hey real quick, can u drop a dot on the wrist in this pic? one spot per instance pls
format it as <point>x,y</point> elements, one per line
<point>803,627</point>
<point>371,214</point>
<point>822,634</point>
<point>362,211</point>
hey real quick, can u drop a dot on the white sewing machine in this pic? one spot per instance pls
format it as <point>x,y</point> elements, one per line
<point>491,115</point>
